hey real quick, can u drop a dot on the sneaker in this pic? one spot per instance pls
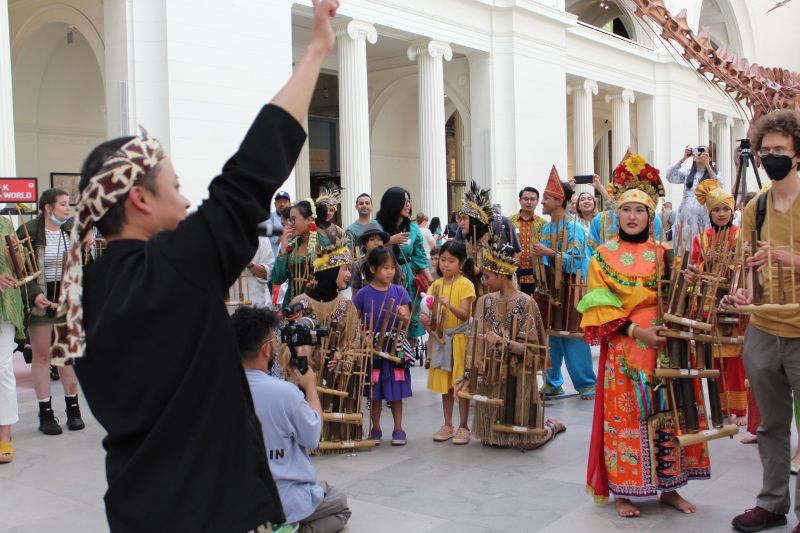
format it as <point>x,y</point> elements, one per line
<point>54,373</point>
<point>376,435</point>
<point>463,436</point>
<point>444,433</point>
<point>74,420</point>
<point>756,519</point>
<point>48,423</point>
<point>398,437</point>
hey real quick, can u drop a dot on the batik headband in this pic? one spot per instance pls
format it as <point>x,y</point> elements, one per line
<point>119,174</point>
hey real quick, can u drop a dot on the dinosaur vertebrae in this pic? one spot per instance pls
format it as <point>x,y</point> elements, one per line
<point>759,89</point>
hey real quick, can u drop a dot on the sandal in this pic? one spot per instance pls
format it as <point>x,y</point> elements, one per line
<point>444,433</point>
<point>463,436</point>
<point>6,451</point>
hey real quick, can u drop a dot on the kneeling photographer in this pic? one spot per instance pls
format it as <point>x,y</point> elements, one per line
<point>291,421</point>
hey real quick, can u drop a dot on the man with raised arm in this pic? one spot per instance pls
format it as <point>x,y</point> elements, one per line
<point>160,368</point>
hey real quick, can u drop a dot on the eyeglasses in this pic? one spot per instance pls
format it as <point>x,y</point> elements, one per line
<point>778,150</point>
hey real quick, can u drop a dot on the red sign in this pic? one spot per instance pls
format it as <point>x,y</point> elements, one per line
<point>19,190</point>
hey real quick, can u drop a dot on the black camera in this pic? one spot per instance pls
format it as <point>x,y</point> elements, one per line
<point>302,332</point>
<point>745,146</point>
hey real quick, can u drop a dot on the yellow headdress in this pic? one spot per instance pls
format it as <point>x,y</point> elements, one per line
<point>499,258</point>
<point>711,194</point>
<point>332,256</point>
<point>478,204</point>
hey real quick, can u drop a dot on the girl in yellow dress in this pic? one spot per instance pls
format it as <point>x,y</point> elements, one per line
<point>447,342</point>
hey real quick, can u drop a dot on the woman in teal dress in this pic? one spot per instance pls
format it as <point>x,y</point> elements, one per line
<point>298,249</point>
<point>406,243</point>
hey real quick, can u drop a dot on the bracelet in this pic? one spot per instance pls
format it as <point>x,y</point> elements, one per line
<point>631,329</point>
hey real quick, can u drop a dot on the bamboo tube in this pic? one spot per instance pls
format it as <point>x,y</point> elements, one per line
<point>685,335</point>
<point>344,418</point>
<point>480,398</point>
<point>682,373</point>
<point>765,308</point>
<point>688,322</point>
<point>332,392</point>
<point>346,444</point>
<point>524,430</point>
<point>728,430</point>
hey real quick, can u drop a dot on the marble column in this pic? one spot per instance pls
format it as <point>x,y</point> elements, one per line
<point>461,160</point>
<point>351,38</point>
<point>603,162</point>
<point>724,157</point>
<point>583,130</point>
<point>302,171</point>
<point>8,167</point>
<point>621,123</point>
<point>702,128</point>
<point>430,56</point>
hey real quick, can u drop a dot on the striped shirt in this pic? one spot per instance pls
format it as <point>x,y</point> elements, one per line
<point>57,244</point>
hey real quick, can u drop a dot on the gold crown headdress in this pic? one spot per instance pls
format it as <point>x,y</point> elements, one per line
<point>636,181</point>
<point>499,258</point>
<point>330,193</point>
<point>333,256</point>
<point>478,204</point>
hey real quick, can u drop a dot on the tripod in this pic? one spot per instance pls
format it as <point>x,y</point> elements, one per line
<point>745,159</point>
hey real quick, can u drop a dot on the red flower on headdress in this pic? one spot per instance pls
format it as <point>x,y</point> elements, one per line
<point>289,249</point>
<point>312,227</point>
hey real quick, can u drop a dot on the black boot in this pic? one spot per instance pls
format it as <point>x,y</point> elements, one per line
<point>48,423</point>
<point>74,420</point>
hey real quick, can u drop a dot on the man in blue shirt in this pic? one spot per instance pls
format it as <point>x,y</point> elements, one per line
<point>563,245</point>
<point>291,424</point>
<point>282,201</point>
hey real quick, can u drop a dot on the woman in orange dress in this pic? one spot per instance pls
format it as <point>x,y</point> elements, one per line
<point>631,452</point>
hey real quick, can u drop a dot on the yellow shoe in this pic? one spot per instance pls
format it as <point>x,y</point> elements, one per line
<point>6,451</point>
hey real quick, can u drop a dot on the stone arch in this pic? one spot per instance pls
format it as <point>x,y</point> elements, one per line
<point>598,14</point>
<point>729,25</point>
<point>65,14</point>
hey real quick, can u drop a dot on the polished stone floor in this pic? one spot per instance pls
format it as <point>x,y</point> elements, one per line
<point>57,483</point>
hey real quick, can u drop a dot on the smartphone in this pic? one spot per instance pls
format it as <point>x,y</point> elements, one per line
<point>584,179</point>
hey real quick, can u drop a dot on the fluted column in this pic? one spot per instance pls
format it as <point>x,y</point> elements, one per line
<point>8,165</point>
<point>429,56</point>
<point>723,157</point>
<point>621,123</point>
<point>302,172</point>
<point>702,128</point>
<point>603,162</point>
<point>583,130</point>
<point>459,140</point>
<point>352,37</point>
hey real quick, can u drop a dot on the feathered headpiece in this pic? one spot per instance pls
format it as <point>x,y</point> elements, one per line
<point>636,181</point>
<point>711,194</point>
<point>478,204</point>
<point>330,194</point>
<point>499,258</point>
<point>554,188</point>
<point>332,256</point>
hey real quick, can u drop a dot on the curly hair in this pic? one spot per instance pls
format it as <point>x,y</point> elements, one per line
<point>784,121</point>
<point>252,326</point>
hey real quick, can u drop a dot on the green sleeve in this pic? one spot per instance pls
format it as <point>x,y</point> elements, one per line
<point>280,270</point>
<point>598,297</point>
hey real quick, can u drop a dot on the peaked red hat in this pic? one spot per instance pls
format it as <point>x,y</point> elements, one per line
<point>554,188</point>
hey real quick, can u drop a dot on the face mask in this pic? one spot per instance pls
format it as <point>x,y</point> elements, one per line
<point>777,167</point>
<point>61,222</point>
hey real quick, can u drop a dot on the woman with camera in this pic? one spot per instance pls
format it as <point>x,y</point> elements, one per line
<point>692,218</point>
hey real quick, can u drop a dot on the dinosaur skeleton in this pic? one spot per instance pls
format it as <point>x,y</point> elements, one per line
<point>756,90</point>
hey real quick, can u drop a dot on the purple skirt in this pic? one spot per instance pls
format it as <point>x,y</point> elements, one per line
<point>388,387</point>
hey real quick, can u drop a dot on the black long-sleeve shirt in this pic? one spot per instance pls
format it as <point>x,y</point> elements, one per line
<point>162,372</point>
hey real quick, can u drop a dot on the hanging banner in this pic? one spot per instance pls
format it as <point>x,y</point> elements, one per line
<point>19,190</point>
